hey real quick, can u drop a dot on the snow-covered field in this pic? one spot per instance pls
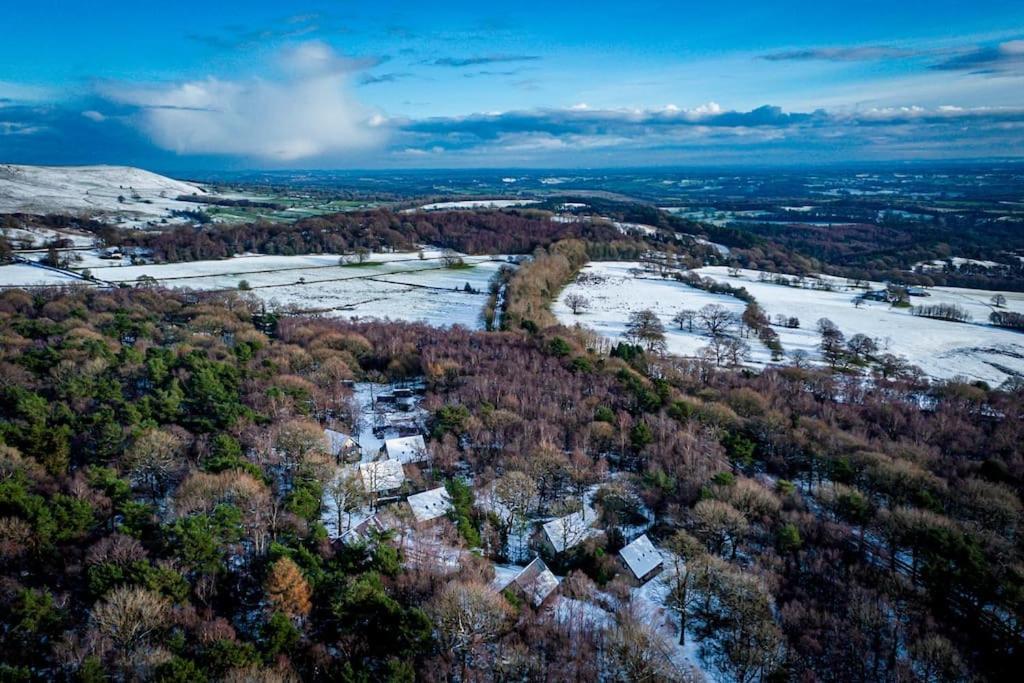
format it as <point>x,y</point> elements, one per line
<point>475,204</point>
<point>398,286</point>
<point>93,190</point>
<point>942,349</point>
<point>37,237</point>
<point>25,275</point>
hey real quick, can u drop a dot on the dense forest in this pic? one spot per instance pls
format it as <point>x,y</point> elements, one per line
<point>162,479</point>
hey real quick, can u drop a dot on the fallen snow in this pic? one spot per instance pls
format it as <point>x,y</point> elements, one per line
<point>976,351</point>
<point>26,275</point>
<point>92,190</point>
<point>397,286</point>
<point>475,204</point>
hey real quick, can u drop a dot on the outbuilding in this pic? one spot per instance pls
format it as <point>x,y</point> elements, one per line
<point>642,559</point>
<point>428,506</point>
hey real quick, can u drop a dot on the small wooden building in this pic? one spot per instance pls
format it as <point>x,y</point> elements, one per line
<point>642,559</point>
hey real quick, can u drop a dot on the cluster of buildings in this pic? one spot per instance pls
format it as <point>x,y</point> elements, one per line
<point>384,481</point>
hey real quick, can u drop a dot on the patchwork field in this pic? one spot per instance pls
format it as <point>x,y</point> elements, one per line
<point>398,286</point>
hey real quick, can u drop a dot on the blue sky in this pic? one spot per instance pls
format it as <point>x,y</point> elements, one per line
<point>544,84</point>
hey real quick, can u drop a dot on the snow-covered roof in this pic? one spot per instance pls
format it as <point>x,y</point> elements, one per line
<point>641,557</point>
<point>431,504</point>
<point>381,475</point>
<point>568,532</point>
<point>406,449</point>
<point>361,531</point>
<point>338,442</point>
<point>536,581</point>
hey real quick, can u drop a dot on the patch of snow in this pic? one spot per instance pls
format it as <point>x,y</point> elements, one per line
<point>474,204</point>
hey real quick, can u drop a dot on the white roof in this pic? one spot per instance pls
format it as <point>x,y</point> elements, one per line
<point>568,532</point>
<point>537,581</point>
<point>430,504</point>
<point>406,449</point>
<point>381,475</point>
<point>641,557</point>
<point>337,442</point>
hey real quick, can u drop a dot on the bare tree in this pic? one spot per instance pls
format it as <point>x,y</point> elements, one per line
<point>645,329</point>
<point>577,303</point>
<point>685,318</point>
<point>130,616</point>
<point>680,577</point>
<point>346,492</point>
<point>716,319</point>
<point>998,300</point>
<point>451,259</point>
<point>155,460</point>
<point>719,525</point>
<point>467,617</point>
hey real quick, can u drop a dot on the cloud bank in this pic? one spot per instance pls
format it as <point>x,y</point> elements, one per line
<point>307,111</point>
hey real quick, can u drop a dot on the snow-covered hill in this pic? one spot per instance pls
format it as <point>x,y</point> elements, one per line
<point>121,194</point>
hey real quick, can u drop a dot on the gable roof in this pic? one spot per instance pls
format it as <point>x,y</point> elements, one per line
<point>406,449</point>
<point>536,581</point>
<point>568,532</point>
<point>338,442</point>
<point>361,532</point>
<point>641,557</point>
<point>431,504</point>
<point>381,475</point>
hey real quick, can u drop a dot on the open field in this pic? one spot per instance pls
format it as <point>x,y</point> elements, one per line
<point>25,275</point>
<point>975,350</point>
<point>398,286</point>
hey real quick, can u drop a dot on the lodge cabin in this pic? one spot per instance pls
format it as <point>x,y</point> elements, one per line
<point>342,446</point>
<point>429,506</point>
<point>535,584</point>
<point>406,449</point>
<point>565,533</point>
<point>642,559</point>
<point>381,477</point>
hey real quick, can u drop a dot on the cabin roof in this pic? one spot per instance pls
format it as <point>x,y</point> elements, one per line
<point>381,475</point>
<point>428,505</point>
<point>641,557</point>
<point>406,449</point>
<point>568,532</point>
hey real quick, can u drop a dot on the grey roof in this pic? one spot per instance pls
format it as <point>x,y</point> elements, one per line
<point>536,581</point>
<point>567,532</point>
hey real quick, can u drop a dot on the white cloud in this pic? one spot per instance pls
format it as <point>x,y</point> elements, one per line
<point>305,112</point>
<point>94,116</point>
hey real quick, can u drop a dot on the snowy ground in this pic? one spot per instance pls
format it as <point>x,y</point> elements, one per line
<point>93,190</point>
<point>942,349</point>
<point>398,286</point>
<point>25,275</point>
<point>30,237</point>
<point>474,204</point>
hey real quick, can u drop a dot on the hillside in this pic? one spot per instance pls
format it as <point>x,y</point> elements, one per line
<point>119,193</point>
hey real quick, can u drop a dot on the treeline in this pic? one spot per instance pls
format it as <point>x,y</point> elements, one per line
<point>1009,319</point>
<point>950,312</point>
<point>379,230</point>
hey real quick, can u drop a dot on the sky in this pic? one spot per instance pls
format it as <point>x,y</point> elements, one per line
<point>354,85</point>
